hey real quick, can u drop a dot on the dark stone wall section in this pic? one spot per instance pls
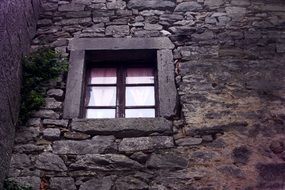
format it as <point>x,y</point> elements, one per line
<point>18,20</point>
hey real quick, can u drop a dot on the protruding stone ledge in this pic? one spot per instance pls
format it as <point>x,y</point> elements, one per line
<point>145,143</point>
<point>123,127</point>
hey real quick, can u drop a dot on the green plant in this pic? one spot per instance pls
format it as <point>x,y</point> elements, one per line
<point>12,185</point>
<point>38,68</point>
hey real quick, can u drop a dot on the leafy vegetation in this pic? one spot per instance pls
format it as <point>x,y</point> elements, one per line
<point>12,185</point>
<point>38,68</point>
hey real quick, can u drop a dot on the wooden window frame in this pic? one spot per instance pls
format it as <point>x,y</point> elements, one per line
<point>121,71</point>
<point>76,74</point>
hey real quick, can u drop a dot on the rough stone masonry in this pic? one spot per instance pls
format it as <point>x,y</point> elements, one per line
<point>230,76</point>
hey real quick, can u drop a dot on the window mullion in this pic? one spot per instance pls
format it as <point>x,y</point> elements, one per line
<point>121,90</point>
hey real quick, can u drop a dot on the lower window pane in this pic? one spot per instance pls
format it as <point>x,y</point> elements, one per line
<point>139,113</point>
<point>100,113</point>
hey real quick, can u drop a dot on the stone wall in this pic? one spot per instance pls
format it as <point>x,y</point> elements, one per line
<point>229,132</point>
<point>18,20</point>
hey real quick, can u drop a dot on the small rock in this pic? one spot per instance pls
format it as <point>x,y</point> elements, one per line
<point>190,141</point>
<point>188,6</point>
<point>151,4</point>
<point>51,134</point>
<point>117,31</point>
<point>64,183</point>
<point>145,143</point>
<point>35,122</point>
<point>166,161</point>
<point>20,161</point>
<point>56,93</point>
<point>277,147</point>
<point>207,138</point>
<point>61,123</point>
<point>49,114</point>
<point>212,4</point>
<point>116,4</point>
<point>76,136</point>
<point>26,134</point>
<point>231,170</point>
<point>28,148</point>
<point>105,162</point>
<point>49,161</point>
<point>51,103</point>
<point>97,184</point>
<point>129,182</point>
<point>71,7</point>
<point>241,155</point>
<point>148,26</point>
<point>140,157</point>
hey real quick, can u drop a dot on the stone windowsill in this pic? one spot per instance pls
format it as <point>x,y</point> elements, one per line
<point>123,127</point>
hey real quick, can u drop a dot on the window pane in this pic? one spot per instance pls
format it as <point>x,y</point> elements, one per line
<point>140,75</point>
<point>101,96</point>
<point>140,96</point>
<point>139,113</point>
<point>100,113</point>
<point>103,76</point>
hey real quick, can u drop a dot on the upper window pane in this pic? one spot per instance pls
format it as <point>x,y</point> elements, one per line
<point>103,76</point>
<point>139,76</point>
<point>101,96</point>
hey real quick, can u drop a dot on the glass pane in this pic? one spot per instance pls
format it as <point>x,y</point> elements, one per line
<point>139,113</point>
<point>100,113</point>
<point>101,96</point>
<point>140,96</point>
<point>140,75</point>
<point>103,76</point>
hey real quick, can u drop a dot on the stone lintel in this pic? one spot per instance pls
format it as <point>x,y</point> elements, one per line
<point>120,43</point>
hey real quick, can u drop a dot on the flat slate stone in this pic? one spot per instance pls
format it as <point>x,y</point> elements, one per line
<point>122,127</point>
<point>94,146</point>
<point>51,162</point>
<point>151,4</point>
<point>61,123</point>
<point>97,184</point>
<point>66,183</point>
<point>145,143</point>
<point>105,162</point>
<point>167,161</point>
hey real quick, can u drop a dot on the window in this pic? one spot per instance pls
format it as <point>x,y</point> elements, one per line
<point>120,77</point>
<point>119,86</point>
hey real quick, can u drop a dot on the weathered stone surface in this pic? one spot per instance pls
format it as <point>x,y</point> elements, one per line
<point>75,21</point>
<point>60,123</point>
<point>116,4</point>
<point>49,161</point>
<point>51,134</point>
<point>189,141</point>
<point>26,134</point>
<point>231,170</point>
<point>214,3</point>
<point>76,136</point>
<point>166,161</point>
<point>28,148</point>
<point>145,143</point>
<point>121,127</point>
<point>20,161</point>
<point>64,183</point>
<point>188,6</point>
<point>139,156</point>
<point>151,4</point>
<point>35,122</point>
<point>48,114</point>
<point>51,103</point>
<point>56,93</point>
<point>117,31</point>
<point>71,7</point>
<point>236,13</point>
<point>129,182</point>
<point>277,146</point>
<point>241,155</point>
<point>105,162</point>
<point>148,26</point>
<point>94,146</point>
<point>105,183</point>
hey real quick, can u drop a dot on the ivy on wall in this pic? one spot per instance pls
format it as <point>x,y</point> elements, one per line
<point>12,185</point>
<point>38,68</point>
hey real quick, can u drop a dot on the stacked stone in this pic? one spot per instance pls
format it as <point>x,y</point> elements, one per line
<point>229,58</point>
